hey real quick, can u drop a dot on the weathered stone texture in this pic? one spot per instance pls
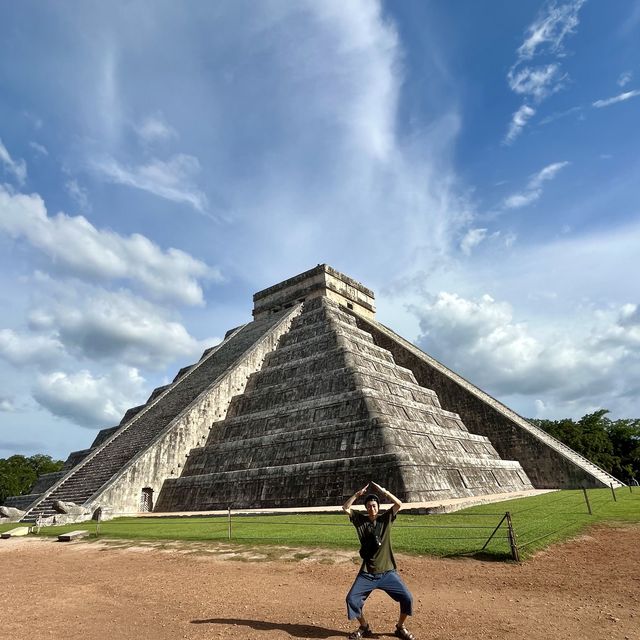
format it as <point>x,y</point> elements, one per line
<point>331,408</point>
<point>548,463</point>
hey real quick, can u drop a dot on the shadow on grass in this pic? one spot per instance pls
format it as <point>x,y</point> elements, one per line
<point>294,630</point>
<point>484,556</point>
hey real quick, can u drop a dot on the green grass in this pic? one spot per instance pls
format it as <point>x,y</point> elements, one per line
<point>538,522</point>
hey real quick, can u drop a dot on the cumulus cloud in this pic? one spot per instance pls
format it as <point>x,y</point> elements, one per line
<point>76,245</point>
<point>90,400</point>
<point>117,326</point>
<point>173,179</point>
<point>17,168</point>
<point>533,189</point>
<point>518,122</point>
<point>481,339</point>
<point>627,95</point>
<point>23,349</point>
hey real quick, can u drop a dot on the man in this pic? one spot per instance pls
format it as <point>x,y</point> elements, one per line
<point>378,570</point>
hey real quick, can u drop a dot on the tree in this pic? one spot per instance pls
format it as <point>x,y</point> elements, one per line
<point>614,445</point>
<point>18,473</point>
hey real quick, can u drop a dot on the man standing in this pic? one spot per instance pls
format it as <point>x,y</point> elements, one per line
<point>378,569</point>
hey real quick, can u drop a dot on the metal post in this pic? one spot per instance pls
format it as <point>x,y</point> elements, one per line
<point>494,533</point>
<point>229,520</point>
<point>613,492</point>
<point>512,539</point>
<point>98,522</point>
<point>586,499</point>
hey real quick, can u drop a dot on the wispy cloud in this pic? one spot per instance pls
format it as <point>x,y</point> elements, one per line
<point>17,168</point>
<point>39,148</point>
<point>472,239</point>
<point>625,78</point>
<point>547,33</point>
<point>619,98</point>
<point>544,37</point>
<point>536,82</point>
<point>154,128</point>
<point>78,193</point>
<point>74,244</point>
<point>533,190</point>
<point>518,121</point>
<point>172,179</point>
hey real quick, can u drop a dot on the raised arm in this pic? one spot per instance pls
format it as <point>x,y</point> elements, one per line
<point>397,504</point>
<point>346,507</point>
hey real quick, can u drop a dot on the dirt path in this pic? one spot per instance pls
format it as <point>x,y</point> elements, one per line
<point>588,588</point>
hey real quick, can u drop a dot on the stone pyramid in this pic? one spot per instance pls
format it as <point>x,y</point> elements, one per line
<point>311,399</point>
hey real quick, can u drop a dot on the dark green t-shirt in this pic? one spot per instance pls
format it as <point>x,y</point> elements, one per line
<point>382,560</point>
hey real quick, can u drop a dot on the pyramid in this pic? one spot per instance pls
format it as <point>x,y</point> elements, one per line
<point>312,398</point>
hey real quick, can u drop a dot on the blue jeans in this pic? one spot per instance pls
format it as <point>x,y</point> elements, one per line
<point>389,582</point>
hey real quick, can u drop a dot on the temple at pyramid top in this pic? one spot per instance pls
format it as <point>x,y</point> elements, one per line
<point>320,281</point>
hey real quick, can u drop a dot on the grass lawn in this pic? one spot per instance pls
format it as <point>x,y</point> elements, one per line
<point>537,521</point>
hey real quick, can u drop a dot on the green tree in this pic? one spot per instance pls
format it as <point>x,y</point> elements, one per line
<point>19,473</point>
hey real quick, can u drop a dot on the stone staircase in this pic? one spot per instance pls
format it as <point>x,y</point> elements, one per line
<point>328,411</point>
<point>142,424</point>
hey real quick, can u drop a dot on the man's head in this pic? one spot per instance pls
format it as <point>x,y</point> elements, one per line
<point>372,504</point>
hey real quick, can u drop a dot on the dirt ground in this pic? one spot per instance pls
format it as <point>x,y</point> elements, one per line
<point>588,588</point>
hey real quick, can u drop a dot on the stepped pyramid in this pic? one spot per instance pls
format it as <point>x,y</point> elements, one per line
<point>311,399</point>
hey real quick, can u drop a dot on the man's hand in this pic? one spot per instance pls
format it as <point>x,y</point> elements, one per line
<point>397,504</point>
<point>346,507</point>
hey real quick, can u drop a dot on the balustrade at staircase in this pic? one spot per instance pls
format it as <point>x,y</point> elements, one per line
<point>142,424</point>
<point>328,411</point>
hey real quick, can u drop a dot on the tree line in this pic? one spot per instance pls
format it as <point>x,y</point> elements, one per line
<point>18,473</point>
<point>614,445</point>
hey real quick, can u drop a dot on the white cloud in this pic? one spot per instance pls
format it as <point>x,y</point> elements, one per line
<point>545,36</point>
<point>482,340</point>
<point>547,32</point>
<point>173,179</point>
<point>39,148</point>
<point>627,95</point>
<point>537,82</point>
<point>17,168</point>
<point>21,350</point>
<point>78,193</point>
<point>7,405</point>
<point>88,400</point>
<point>75,244</point>
<point>154,128</point>
<point>625,78</point>
<point>117,326</point>
<point>533,190</point>
<point>472,239</point>
<point>518,121</point>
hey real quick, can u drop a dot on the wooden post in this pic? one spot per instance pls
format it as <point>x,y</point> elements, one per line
<point>512,538</point>
<point>613,492</point>
<point>229,520</point>
<point>586,499</point>
<point>98,522</point>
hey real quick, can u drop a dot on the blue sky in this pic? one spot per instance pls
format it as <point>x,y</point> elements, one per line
<point>475,163</point>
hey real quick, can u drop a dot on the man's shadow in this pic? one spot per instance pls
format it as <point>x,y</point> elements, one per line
<point>294,630</point>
